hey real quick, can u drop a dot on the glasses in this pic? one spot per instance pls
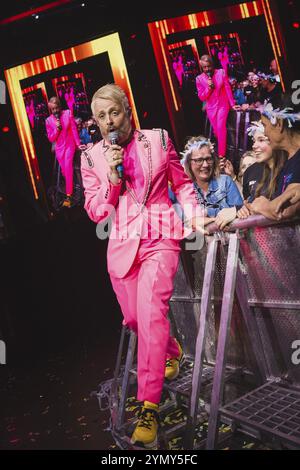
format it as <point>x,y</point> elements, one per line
<point>200,161</point>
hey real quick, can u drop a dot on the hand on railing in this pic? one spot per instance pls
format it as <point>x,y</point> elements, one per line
<point>225,216</point>
<point>198,224</point>
<point>290,197</point>
<point>243,213</point>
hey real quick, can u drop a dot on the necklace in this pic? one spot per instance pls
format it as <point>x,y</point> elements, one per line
<point>141,205</point>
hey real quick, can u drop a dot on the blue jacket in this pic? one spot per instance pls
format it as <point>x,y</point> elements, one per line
<point>239,96</point>
<point>84,136</point>
<point>222,192</point>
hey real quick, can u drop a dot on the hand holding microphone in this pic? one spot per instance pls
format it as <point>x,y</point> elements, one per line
<point>210,82</point>
<point>115,158</point>
<point>58,123</point>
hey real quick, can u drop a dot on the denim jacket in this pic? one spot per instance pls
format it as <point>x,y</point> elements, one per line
<point>222,192</point>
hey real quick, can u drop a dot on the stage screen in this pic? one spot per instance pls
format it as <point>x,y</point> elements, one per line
<point>72,75</point>
<point>239,38</point>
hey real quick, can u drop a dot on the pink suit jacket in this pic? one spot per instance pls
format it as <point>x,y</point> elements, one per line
<point>160,164</point>
<point>67,138</point>
<point>220,97</point>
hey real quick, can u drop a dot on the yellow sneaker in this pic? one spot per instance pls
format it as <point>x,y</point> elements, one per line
<point>172,365</point>
<point>67,202</point>
<point>145,432</point>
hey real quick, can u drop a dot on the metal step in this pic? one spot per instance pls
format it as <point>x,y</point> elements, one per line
<point>273,408</point>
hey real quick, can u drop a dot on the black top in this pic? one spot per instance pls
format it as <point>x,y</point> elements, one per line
<point>290,173</point>
<point>274,97</point>
<point>251,178</point>
<point>252,94</point>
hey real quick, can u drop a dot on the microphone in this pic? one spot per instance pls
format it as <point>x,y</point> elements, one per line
<point>57,116</point>
<point>210,75</point>
<point>113,137</point>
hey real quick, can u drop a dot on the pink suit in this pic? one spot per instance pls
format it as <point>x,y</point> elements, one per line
<point>142,269</point>
<point>218,103</point>
<point>224,59</point>
<point>66,141</point>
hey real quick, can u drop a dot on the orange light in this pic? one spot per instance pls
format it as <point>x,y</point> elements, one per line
<point>255,8</point>
<point>242,10</point>
<point>168,73</point>
<point>273,28</point>
<point>273,37</point>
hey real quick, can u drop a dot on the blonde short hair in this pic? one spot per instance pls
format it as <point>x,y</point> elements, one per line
<point>54,100</point>
<point>112,92</point>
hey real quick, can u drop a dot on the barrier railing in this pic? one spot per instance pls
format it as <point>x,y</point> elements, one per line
<point>261,279</point>
<point>236,311</point>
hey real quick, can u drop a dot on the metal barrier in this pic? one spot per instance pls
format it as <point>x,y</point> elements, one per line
<point>236,311</point>
<point>238,140</point>
<point>262,268</point>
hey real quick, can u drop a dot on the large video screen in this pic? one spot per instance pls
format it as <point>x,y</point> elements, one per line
<point>72,75</point>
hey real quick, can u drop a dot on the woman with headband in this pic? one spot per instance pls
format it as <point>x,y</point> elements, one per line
<point>282,127</point>
<point>216,193</point>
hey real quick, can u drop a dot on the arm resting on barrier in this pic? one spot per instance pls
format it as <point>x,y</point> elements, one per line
<point>261,205</point>
<point>285,206</point>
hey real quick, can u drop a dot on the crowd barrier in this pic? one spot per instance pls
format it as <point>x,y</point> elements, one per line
<point>236,311</point>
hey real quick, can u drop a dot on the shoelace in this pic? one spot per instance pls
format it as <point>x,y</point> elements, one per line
<point>146,418</point>
<point>169,363</point>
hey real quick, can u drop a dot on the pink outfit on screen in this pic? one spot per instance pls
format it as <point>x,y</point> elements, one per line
<point>218,103</point>
<point>66,141</point>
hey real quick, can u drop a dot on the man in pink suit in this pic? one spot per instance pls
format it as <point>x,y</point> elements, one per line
<point>143,249</point>
<point>214,88</point>
<point>62,130</point>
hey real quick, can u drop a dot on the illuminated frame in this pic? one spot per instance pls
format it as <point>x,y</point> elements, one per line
<point>159,30</point>
<point>37,86</point>
<point>188,42</point>
<point>219,36</point>
<point>110,44</point>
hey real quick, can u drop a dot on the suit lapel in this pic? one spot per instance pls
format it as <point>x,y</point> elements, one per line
<point>143,147</point>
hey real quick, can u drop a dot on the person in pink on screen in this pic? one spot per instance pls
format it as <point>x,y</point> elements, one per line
<point>224,58</point>
<point>214,88</point>
<point>144,244</point>
<point>178,67</point>
<point>70,98</point>
<point>62,130</point>
<point>30,111</point>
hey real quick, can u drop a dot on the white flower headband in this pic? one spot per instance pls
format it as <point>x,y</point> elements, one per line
<point>196,145</point>
<point>274,114</point>
<point>257,126</point>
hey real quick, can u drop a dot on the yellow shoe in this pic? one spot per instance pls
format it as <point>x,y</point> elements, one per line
<point>172,365</point>
<point>145,432</point>
<point>67,202</point>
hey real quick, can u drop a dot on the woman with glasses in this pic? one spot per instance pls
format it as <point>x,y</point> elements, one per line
<point>216,193</point>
